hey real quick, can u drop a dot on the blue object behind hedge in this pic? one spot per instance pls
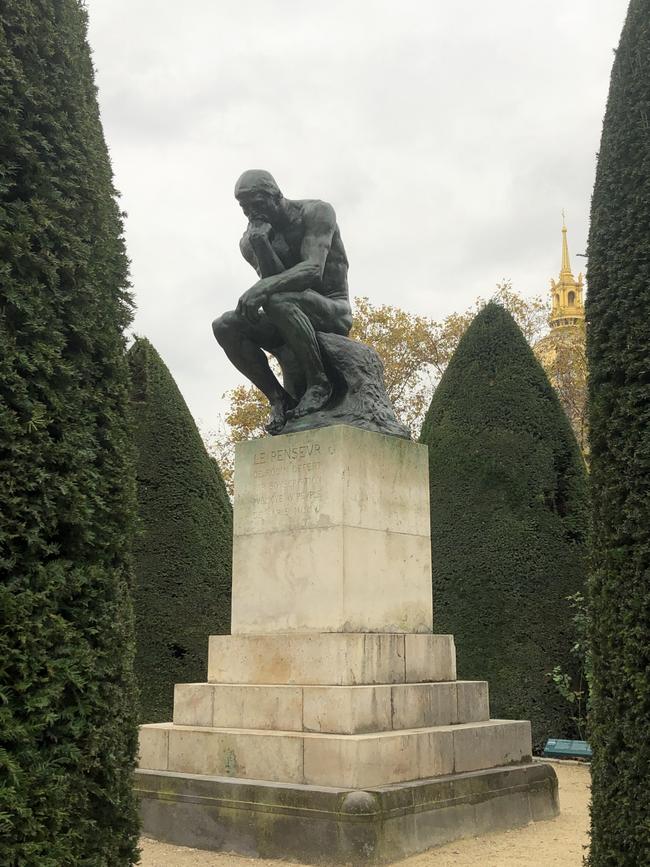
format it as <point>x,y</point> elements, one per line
<point>556,748</point>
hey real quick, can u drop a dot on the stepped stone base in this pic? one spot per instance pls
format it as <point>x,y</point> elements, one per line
<point>319,825</point>
<point>331,727</point>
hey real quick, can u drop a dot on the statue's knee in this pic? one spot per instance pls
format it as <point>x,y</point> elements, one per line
<point>217,327</point>
<point>222,327</point>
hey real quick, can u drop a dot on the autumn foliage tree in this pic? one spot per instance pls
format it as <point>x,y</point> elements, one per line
<point>562,354</point>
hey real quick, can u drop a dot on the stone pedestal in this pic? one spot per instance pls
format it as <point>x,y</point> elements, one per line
<point>331,534</point>
<point>332,713</point>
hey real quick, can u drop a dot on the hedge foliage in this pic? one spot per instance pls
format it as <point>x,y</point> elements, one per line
<point>618,351</point>
<point>68,720</point>
<point>508,514</point>
<point>183,554</point>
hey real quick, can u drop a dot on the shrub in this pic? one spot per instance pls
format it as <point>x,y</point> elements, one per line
<point>68,727</point>
<point>183,554</point>
<point>618,338</point>
<point>508,511</point>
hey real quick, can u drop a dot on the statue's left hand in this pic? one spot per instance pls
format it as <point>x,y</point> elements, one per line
<point>251,301</point>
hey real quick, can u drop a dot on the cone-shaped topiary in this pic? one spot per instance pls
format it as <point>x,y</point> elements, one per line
<point>183,554</point>
<point>618,353</point>
<point>68,717</point>
<point>508,512</point>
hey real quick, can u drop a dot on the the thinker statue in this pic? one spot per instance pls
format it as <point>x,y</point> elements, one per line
<point>299,311</point>
<point>297,251</point>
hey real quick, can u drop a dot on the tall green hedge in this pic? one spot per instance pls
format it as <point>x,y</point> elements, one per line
<point>68,720</point>
<point>508,513</point>
<point>618,351</point>
<point>183,554</point>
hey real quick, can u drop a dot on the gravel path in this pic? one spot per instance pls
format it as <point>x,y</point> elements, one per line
<point>557,843</point>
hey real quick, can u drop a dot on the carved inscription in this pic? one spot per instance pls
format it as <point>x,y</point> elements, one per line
<point>286,485</point>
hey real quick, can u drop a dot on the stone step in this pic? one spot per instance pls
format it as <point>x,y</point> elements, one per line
<point>323,825</point>
<point>350,761</point>
<point>331,658</point>
<point>331,709</point>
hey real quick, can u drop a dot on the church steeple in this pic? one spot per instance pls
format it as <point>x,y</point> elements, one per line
<point>567,302</point>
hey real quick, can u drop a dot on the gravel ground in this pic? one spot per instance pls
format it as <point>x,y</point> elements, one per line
<point>558,843</point>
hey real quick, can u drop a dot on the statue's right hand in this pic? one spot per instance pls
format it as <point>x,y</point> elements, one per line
<point>259,231</point>
<point>250,302</point>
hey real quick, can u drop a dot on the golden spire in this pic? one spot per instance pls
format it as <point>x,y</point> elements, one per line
<point>566,265</point>
<point>567,308</point>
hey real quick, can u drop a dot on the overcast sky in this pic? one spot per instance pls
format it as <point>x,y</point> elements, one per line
<point>447,135</point>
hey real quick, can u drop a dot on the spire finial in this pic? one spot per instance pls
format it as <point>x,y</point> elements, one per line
<point>566,265</point>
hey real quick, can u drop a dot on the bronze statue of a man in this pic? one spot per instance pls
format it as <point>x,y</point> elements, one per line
<point>297,251</point>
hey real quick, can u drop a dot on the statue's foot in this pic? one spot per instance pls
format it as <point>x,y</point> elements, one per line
<point>313,399</point>
<point>279,414</point>
<point>277,420</point>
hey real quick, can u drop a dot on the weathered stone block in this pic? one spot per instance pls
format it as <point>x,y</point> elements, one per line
<point>355,478</point>
<point>429,658</point>
<point>331,534</point>
<point>492,743</point>
<point>275,756</point>
<point>353,761</point>
<point>424,704</point>
<point>360,761</point>
<point>153,746</point>
<point>346,709</point>
<point>193,704</point>
<point>343,658</point>
<point>258,707</point>
<point>329,709</point>
<point>238,706</point>
<point>473,700</point>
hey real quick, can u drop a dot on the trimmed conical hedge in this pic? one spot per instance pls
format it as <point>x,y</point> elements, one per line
<point>68,719</point>
<point>618,353</point>
<point>508,513</point>
<point>183,554</point>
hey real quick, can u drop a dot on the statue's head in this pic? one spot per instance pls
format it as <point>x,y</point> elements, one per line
<point>259,195</point>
